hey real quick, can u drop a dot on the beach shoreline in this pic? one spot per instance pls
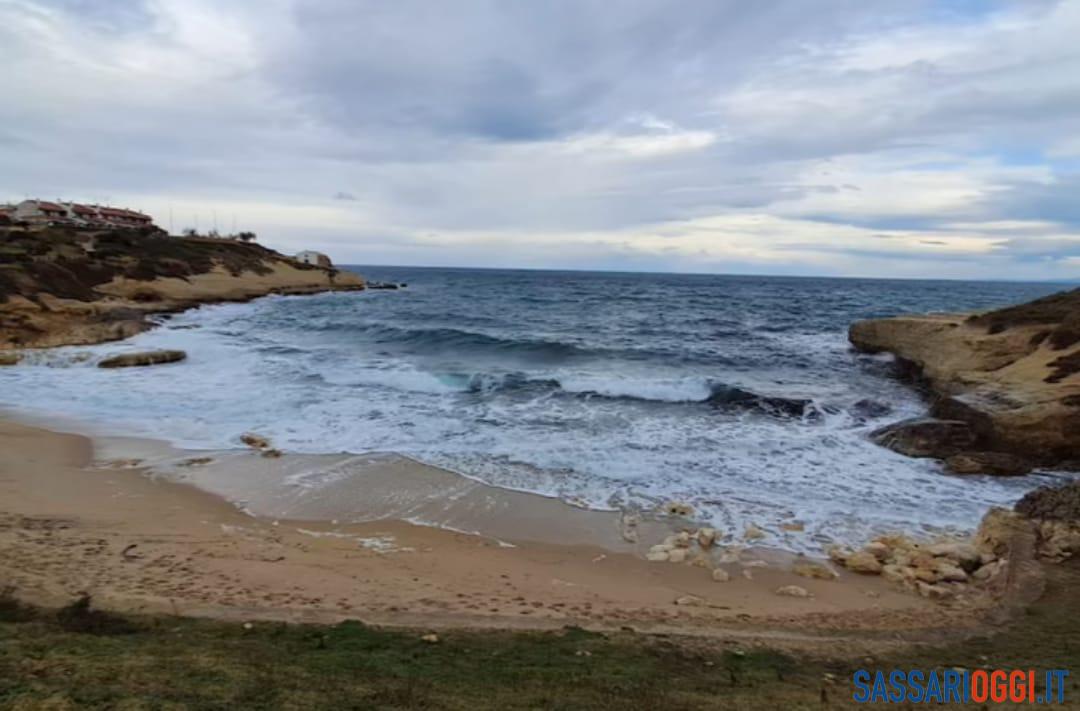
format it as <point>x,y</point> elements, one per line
<point>73,523</point>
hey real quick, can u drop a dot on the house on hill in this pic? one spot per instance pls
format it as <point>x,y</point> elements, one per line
<point>317,259</point>
<point>71,214</point>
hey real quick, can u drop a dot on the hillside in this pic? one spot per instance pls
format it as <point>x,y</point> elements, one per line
<point>64,287</point>
<point>1012,374</point>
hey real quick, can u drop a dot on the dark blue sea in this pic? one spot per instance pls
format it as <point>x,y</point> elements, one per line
<point>737,394</point>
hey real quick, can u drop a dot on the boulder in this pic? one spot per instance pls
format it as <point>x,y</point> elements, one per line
<point>963,555</point>
<point>9,359</point>
<point>656,556</point>
<point>870,409</point>
<point>706,537</point>
<point>992,463</point>
<point>879,549</point>
<point>926,437</point>
<point>1060,503</point>
<point>863,562</point>
<point>129,360</point>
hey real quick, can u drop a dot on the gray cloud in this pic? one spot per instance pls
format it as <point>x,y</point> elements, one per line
<point>594,124</point>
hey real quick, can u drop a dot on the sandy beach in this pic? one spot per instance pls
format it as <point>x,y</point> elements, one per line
<point>73,520</point>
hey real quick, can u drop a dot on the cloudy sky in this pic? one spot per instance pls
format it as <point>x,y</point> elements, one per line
<point>936,138</point>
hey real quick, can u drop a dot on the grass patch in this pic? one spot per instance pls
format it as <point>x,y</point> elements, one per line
<point>164,662</point>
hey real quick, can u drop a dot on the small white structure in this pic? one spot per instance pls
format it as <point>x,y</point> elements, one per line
<point>317,259</point>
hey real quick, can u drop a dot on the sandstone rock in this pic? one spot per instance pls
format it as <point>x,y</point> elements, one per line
<point>753,533</point>
<point>9,359</point>
<point>128,360</point>
<point>897,573</point>
<point>706,537</point>
<point>926,437</point>
<point>271,453</point>
<point>811,569</point>
<point>680,540</point>
<point>701,561</point>
<point>1052,502</point>
<point>678,508</point>
<point>1008,373</point>
<point>838,553</point>
<point>655,556</point>
<point>679,555</point>
<point>754,564</point>
<point>961,553</point>
<point>793,527</point>
<point>1000,530</point>
<point>933,592</point>
<point>878,549</point>
<point>950,573</point>
<point>992,463</point>
<point>720,575</point>
<point>793,591</point>
<point>863,562</point>
<point>255,441</point>
<point>989,571</point>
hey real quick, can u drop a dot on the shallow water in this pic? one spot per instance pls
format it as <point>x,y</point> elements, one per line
<point>738,394</point>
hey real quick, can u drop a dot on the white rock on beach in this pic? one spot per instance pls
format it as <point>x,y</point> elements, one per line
<point>706,537</point>
<point>679,555</point>
<point>753,533</point>
<point>793,591</point>
<point>720,575</point>
<point>812,569</point>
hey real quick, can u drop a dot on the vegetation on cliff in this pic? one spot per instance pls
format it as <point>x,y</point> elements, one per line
<point>69,287</point>
<point>71,264</point>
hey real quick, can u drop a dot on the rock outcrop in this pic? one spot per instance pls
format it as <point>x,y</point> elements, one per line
<point>926,437</point>
<point>1013,375</point>
<point>61,287</point>
<point>131,360</point>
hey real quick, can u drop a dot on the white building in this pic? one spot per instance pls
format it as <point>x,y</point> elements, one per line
<point>43,212</point>
<point>317,259</point>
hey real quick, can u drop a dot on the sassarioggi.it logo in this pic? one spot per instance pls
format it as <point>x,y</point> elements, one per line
<point>960,686</point>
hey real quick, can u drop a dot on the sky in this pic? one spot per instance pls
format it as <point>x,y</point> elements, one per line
<point>893,138</point>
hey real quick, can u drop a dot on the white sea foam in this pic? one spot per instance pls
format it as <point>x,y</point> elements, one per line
<point>650,438</point>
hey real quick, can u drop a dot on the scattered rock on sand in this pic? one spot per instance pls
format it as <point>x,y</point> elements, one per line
<point>812,569</point>
<point>706,537</point>
<point>271,453</point>
<point>992,463</point>
<point>128,360</point>
<point>793,591</point>
<point>689,601</point>
<point>720,575</point>
<point>926,437</point>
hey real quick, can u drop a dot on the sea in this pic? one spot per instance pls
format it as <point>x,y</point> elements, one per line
<point>737,394</point>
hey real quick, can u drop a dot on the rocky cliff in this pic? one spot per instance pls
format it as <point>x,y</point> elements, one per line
<point>1012,375</point>
<point>60,287</point>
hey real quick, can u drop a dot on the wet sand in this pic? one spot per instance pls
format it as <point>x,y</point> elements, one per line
<point>143,532</point>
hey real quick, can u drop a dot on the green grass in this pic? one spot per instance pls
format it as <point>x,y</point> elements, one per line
<point>62,660</point>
